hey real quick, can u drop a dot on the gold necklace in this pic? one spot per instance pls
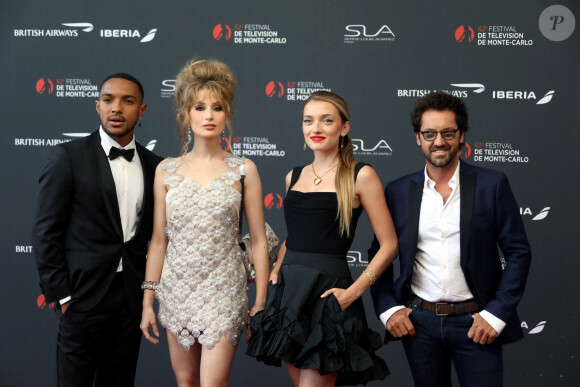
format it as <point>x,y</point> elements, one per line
<point>318,179</point>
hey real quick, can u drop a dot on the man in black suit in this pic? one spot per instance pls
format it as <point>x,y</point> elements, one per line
<point>93,222</point>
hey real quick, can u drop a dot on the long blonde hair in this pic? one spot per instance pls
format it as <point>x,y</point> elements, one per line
<point>199,75</point>
<point>344,179</point>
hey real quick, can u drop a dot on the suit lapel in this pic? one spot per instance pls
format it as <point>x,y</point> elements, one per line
<point>148,176</point>
<point>414,211</point>
<point>105,181</point>
<point>467,181</point>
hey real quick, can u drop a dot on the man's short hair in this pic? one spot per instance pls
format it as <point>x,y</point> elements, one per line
<point>127,77</point>
<point>439,100</point>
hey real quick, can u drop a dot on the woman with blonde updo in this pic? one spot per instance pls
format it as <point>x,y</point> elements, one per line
<point>194,264</point>
<point>314,319</point>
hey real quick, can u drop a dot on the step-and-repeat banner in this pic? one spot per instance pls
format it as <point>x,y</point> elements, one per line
<point>515,63</point>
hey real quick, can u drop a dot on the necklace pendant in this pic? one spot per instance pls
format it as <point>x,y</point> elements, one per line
<point>317,181</point>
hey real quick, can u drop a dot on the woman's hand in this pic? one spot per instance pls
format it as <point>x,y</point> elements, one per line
<point>342,296</point>
<point>274,276</point>
<point>148,320</point>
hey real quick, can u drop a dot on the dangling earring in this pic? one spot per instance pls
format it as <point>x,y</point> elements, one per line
<point>223,136</point>
<point>304,147</point>
<point>188,137</point>
<point>341,142</point>
<point>139,121</point>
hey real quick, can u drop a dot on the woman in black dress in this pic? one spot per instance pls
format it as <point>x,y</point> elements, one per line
<point>314,319</point>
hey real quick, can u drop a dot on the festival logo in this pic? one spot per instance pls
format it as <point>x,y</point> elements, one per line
<point>464,34</point>
<point>222,31</point>
<point>358,33</point>
<point>255,34</point>
<point>295,90</point>
<point>44,85</point>
<point>275,88</point>
<point>492,35</point>
<point>494,152</point>
<point>273,201</point>
<point>68,87</point>
<point>255,146</point>
<point>557,23</point>
<point>41,303</point>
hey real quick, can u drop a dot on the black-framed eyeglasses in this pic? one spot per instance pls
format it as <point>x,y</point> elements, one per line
<point>431,135</point>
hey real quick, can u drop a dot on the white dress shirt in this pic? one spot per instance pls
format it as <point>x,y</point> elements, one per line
<point>128,177</point>
<point>437,274</point>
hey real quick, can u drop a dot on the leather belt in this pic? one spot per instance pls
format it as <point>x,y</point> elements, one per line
<point>448,308</point>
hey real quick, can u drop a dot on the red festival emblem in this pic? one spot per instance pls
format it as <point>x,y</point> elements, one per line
<point>44,85</point>
<point>464,34</point>
<point>222,31</point>
<point>273,200</point>
<point>41,302</point>
<point>225,143</point>
<point>467,150</point>
<point>274,88</point>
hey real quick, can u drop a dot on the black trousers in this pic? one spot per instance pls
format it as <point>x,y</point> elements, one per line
<point>99,347</point>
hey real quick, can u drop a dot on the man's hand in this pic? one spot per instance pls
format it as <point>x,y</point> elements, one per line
<point>399,324</point>
<point>481,332</point>
<point>64,307</point>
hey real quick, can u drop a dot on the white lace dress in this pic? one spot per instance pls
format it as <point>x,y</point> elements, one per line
<point>203,290</point>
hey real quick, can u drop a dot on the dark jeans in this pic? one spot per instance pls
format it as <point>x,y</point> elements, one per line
<point>440,340</point>
<point>100,346</point>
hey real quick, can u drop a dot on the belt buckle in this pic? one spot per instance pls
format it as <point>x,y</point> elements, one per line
<point>437,308</point>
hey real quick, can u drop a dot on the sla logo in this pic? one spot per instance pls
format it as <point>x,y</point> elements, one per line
<point>464,34</point>
<point>355,258</point>
<point>41,302</point>
<point>44,85</point>
<point>540,216</point>
<point>222,31</point>
<point>357,30</point>
<point>382,148</point>
<point>275,88</point>
<point>557,23</point>
<point>535,330</point>
<point>273,200</point>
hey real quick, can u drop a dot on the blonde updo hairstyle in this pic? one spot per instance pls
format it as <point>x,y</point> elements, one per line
<point>199,75</point>
<point>344,180</point>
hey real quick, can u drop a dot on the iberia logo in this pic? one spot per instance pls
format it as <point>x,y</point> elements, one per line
<point>44,85</point>
<point>464,34</point>
<point>275,88</point>
<point>41,302</point>
<point>222,31</point>
<point>273,200</point>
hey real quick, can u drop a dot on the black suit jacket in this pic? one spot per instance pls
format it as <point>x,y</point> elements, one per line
<point>78,237</point>
<point>489,219</point>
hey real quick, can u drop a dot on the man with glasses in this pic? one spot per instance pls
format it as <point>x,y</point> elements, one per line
<point>455,299</point>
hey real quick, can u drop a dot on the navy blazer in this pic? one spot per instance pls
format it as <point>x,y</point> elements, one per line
<point>78,237</point>
<point>489,218</point>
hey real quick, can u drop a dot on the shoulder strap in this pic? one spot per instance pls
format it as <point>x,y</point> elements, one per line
<point>358,167</point>
<point>295,175</point>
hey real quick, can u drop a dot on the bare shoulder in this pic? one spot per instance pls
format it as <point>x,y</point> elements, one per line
<point>367,175</point>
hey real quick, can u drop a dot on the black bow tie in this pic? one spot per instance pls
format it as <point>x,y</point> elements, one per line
<point>126,153</point>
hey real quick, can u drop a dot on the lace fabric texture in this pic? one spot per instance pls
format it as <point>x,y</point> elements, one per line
<point>203,290</point>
